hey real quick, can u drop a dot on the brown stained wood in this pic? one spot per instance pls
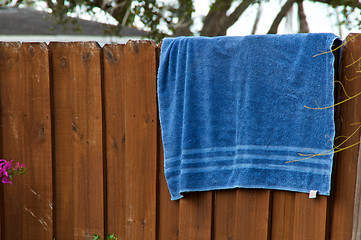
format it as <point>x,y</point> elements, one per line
<point>224,214</point>
<point>78,140</point>
<point>1,213</point>
<point>114,97</point>
<point>346,165</point>
<point>253,214</point>
<point>283,207</point>
<point>310,217</point>
<point>167,210</point>
<point>195,216</point>
<point>140,140</point>
<point>356,228</point>
<point>26,137</point>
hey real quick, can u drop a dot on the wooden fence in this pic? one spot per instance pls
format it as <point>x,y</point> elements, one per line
<point>84,119</point>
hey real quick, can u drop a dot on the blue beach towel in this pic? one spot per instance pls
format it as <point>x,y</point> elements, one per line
<point>232,112</point>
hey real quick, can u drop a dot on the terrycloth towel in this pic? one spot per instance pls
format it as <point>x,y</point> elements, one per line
<point>232,112</point>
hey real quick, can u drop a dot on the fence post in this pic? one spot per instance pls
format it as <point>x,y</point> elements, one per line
<point>349,117</point>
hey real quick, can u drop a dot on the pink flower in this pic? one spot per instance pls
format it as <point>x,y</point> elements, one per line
<point>3,172</point>
<point>18,166</point>
<point>7,173</point>
<point>5,164</point>
<point>6,179</point>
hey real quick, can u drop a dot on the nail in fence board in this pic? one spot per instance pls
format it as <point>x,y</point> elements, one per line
<point>79,202</point>
<point>26,137</point>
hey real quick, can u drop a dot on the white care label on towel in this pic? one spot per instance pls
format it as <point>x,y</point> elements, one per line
<point>313,194</point>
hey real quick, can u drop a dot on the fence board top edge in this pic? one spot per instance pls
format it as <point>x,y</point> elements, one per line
<point>141,42</point>
<point>85,44</point>
<point>352,37</point>
<point>37,45</point>
<point>10,44</point>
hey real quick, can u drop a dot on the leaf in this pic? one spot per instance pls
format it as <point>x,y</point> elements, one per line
<point>96,237</point>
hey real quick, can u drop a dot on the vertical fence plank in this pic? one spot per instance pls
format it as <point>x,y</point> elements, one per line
<point>195,216</point>
<point>26,137</point>
<point>224,214</point>
<point>140,140</point>
<point>1,210</point>
<point>79,201</point>
<point>242,214</point>
<point>295,216</point>
<point>283,207</point>
<point>356,228</point>
<point>1,213</point>
<point>310,217</point>
<point>346,165</point>
<point>253,214</point>
<point>1,185</point>
<point>168,211</point>
<point>114,91</point>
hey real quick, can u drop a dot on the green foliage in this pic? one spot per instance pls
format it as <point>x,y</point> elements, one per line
<point>109,237</point>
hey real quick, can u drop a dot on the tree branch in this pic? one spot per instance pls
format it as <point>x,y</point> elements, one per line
<point>302,18</point>
<point>233,17</point>
<point>18,2</point>
<point>213,24</point>
<point>51,5</point>
<point>276,22</point>
<point>355,3</point>
<point>255,24</point>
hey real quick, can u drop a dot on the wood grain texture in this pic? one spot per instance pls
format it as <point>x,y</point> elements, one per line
<point>356,228</point>
<point>140,140</point>
<point>253,214</point>
<point>2,237</point>
<point>224,227</point>
<point>195,216</point>
<point>346,164</point>
<point>310,217</point>
<point>115,99</point>
<point>78,140</point>
<point>167,210</point>
<point>283,210</point>
<point>1,212</point>
<point>26,137</point>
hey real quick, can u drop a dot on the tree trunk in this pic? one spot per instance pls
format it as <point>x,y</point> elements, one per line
<point>302,18</point>
<point>214,22</point>
<point>183,29</point>
<point>217,21</point>
<point>285,8</point>
<point>234,16</point>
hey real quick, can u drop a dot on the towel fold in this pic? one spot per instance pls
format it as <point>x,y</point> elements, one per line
<point>232,112</point>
